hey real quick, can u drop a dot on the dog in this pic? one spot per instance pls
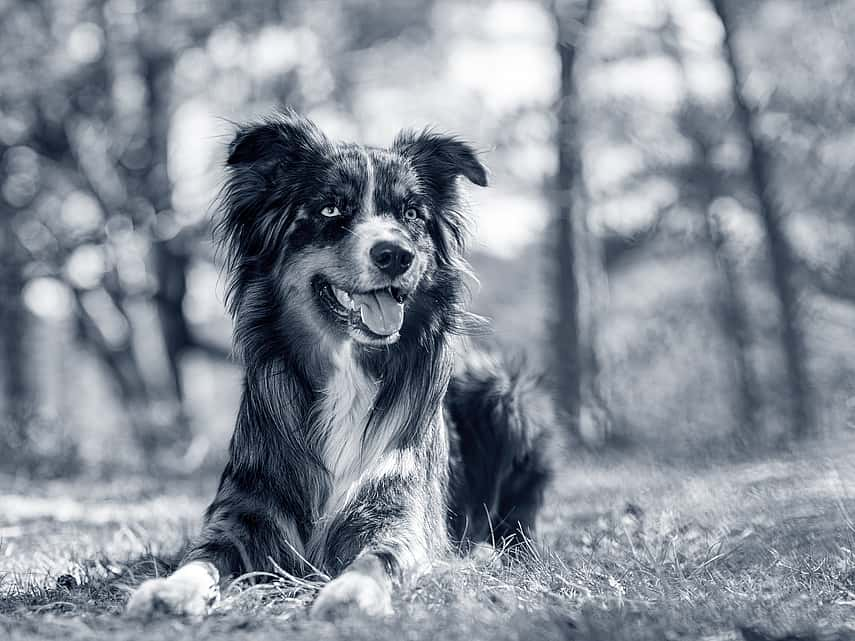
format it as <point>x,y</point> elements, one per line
<point>372,438</point>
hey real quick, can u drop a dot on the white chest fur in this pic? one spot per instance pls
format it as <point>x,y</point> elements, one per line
<point>342,415</point>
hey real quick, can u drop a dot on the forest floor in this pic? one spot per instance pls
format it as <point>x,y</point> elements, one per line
<point>632,548</point>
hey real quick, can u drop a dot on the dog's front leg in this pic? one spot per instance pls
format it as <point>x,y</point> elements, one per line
<point>391,532</point>
<point>239,535</point>
<point>365,585</point>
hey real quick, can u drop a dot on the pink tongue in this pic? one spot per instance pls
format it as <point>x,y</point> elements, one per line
<point>380,312</point>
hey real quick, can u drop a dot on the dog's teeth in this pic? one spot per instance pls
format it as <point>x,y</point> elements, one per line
<point>343,297</point>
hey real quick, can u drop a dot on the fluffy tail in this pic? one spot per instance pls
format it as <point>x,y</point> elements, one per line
<point>500,422</point>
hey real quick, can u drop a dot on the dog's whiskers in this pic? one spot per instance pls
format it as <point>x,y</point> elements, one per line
<point>354,232</point>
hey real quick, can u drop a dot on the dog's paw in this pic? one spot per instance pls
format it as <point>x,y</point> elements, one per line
<point>190,592</point>
<point>352,591</point>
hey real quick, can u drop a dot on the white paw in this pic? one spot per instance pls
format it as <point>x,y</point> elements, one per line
<point>353,591</point>
<point>192,592</point>
<point>485,554</point>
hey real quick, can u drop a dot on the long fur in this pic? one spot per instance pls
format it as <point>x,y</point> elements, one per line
<point>339,450</point>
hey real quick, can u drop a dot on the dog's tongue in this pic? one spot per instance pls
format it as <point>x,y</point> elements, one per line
<point>380,312</point>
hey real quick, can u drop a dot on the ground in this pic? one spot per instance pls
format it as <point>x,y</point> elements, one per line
<point>630,548</point>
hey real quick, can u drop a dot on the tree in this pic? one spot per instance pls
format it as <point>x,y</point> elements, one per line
<point>578,258</point>
<point>701,182</point>
<point>70,115</point>
<point>781,255</point>
<point>18,393</point>
<point>98,121</point>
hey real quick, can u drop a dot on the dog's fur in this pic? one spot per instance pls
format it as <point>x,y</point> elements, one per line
<point>364,454</point>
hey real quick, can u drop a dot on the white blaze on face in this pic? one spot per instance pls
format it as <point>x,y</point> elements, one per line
<point>370,185</point>
<point>379,311</point>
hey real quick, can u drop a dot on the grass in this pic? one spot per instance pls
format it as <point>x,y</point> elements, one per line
<point>631,549</point>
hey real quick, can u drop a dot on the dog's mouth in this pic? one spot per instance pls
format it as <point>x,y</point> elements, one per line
<point>374,317</point>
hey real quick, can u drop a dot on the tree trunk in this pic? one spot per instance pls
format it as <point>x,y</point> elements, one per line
<point>780,252</point>
<point>58,141</point>
<point>567,367</point>
<point>732,313</point>
<point>170,256</point>
<point>18,393</point>
<point>595,418</point>
<point>120,361</point>
<point>170,268</point>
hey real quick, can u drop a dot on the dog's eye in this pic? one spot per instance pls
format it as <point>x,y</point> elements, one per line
<point>330,211</point>
<point>411,213</point>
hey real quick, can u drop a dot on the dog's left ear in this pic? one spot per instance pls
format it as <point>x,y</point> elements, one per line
<point>441,156</point>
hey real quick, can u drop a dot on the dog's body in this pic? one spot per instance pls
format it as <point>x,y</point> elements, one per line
<point>369,435</point>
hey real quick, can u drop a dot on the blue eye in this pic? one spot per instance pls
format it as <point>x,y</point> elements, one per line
<point>411,213</point>
<point>330,211</point>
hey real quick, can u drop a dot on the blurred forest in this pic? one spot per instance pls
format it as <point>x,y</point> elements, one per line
<point>670,229</point>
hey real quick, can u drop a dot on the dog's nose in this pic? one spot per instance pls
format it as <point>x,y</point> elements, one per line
<point>391,258</point>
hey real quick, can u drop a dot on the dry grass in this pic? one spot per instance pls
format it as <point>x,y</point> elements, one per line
<point>630,549</point>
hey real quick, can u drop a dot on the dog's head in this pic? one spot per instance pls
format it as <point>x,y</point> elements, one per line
<point>347,241</point>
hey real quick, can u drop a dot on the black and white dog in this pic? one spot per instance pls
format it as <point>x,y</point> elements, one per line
<point>370,438</point>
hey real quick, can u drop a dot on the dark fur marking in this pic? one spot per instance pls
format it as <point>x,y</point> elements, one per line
<point>498,455</point>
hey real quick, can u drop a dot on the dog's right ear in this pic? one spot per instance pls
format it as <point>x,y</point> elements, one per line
<point>252,143</point>
<point>288,137</point>
<point>257,202</point>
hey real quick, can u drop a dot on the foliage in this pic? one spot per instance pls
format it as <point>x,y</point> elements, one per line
<point>114,116</point>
